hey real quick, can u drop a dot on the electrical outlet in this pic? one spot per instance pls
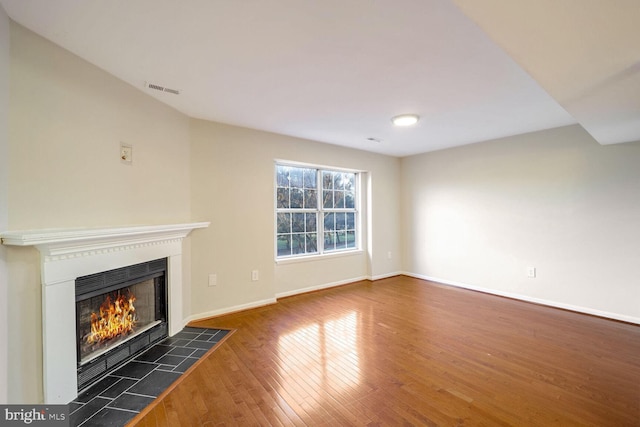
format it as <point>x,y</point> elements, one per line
<point>389,255</point>
<point>254,276</point>
<point>531,272</point>
<point>213,280</point>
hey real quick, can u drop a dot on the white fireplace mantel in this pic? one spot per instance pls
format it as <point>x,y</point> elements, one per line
<point>70,253</point>
<point>74,242</point>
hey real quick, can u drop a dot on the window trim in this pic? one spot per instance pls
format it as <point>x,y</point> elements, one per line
<point>319,210</point>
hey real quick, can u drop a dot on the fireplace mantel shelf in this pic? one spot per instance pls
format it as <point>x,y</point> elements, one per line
<point>76,241</point>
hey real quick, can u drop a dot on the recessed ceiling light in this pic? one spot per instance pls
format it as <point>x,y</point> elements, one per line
<point>405,120</point>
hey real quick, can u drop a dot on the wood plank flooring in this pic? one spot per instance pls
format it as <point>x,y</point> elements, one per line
<point>403,351</point>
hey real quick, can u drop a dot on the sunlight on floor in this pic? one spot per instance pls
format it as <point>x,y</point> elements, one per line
<point>324,353</point>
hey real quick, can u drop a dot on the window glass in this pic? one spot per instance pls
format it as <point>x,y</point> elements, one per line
<point>299,204</point>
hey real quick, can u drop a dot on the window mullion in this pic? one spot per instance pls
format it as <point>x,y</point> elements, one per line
<point>319,211</point>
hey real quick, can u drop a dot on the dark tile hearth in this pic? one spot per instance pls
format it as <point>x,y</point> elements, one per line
<point>121,395</point>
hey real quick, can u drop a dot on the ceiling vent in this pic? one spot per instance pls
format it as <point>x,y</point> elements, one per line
<point>162,88</point>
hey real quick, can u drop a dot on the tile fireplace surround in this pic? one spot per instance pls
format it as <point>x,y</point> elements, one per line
<point>69,253</point>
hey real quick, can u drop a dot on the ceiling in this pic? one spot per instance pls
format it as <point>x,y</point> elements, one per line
<point>336,71</point>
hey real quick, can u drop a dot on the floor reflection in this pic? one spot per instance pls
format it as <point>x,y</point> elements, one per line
<point>324,354</point>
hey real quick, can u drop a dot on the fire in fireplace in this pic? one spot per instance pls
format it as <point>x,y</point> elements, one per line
<point>112,317</point>
<point>119,313</point>
<point>117,318</point>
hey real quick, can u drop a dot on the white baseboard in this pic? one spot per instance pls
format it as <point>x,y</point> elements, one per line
<point>319,287</point>
<point>549,303</point>
<point>385,276</point>
<point>334,284</point>
<point>228,310</point>
<point>256,304</point>
<point>579,309</point>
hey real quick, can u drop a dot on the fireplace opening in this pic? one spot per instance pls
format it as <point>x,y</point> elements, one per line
<point>119,313</point>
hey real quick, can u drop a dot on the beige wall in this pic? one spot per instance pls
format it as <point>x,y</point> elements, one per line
<point>479,215</point>
<point>232,186</point>
<point>4,204</point>
<point>67,119</point>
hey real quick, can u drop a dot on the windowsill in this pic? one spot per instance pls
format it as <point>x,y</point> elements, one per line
<point>321,257</point>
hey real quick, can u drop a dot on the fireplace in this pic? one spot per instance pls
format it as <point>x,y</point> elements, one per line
<point>67,254</point>
<point>119,313</point>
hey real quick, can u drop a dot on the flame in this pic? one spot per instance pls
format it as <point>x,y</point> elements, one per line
<point>116,318</point>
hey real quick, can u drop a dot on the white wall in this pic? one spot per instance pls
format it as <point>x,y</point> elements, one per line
<point>66,124</point>
<point>233,187</point>
<point>479,215</point>
<point>4,188</point>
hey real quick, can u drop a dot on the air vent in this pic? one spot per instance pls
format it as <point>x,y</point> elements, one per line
<point>162,88</point>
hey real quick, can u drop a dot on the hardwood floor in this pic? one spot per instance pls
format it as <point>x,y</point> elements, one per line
<point>403,351</point>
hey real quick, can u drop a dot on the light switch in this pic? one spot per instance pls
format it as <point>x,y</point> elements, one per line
<point>126,153</point>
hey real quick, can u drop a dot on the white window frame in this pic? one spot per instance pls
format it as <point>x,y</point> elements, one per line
<point>320,210</point>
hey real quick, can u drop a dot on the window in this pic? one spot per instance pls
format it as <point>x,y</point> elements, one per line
<point>316,211</point>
